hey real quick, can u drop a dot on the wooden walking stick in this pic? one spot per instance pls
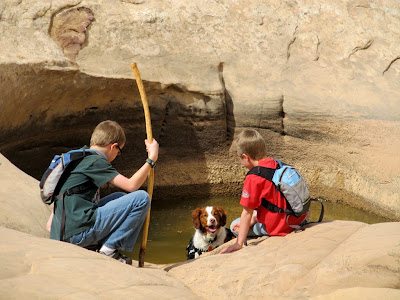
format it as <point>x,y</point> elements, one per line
<point>150,181</point>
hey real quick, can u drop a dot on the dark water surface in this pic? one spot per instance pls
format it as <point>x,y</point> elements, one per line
<point>171,224</point>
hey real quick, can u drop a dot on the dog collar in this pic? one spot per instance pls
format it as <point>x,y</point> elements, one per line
<point>210,248</point>
<point>212,241</point>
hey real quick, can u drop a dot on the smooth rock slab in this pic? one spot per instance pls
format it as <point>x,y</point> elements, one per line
<point>322,259</point>
<point>38,268</point>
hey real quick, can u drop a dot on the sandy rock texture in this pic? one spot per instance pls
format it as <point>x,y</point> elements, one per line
<point>321,260</point>
<point>331,260</point>
<point>319,80</point>
<point>336,260</point>
<point>37,268</point>
<point>19,199</point>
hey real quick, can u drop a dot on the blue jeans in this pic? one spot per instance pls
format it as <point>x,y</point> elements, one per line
<point>120,217</point>
<point>257,229</point>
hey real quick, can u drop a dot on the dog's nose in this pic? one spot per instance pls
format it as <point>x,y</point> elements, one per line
<point>212,221</point>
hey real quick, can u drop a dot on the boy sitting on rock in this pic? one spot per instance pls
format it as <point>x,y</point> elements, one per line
<point>115,220</point>
<point>255,219</point>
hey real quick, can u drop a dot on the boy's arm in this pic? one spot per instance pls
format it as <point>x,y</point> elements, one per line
<point>133,183</point>
<point>254,218</point>
<point>136,180</point>
<point>245,220</point>
<point>48,225</point>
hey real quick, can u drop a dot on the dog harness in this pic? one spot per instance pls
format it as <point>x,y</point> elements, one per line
<point>192,250</point>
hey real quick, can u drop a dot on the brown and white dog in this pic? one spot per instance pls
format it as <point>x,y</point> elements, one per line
<point>210,232</point>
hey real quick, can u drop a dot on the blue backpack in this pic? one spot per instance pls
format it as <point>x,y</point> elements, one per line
<point>57,173</point>
<point>291,185</point>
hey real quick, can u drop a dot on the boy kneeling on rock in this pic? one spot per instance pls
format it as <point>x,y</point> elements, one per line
<point>115,220</point>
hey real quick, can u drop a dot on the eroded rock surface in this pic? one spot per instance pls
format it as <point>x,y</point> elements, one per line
<point>317,261</point>
<point>319,79</point>
<point>338,259</point>
<point>37,268</point>
<point>68,30</point>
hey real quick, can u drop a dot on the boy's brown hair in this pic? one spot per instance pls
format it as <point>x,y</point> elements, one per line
<point>108,132</point>
<point>250,142</point>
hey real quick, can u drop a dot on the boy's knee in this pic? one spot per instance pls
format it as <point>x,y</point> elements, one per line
<point>147,200</point>
<point>143,198</point>
<point>234,222</point>
<point>259,229</point>
<point>118,194</point>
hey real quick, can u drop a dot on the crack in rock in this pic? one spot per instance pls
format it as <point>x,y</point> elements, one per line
<point>282,115</point>
<point>391,63</point>
<point>291,43</point>
<point>359,48</point>
<point>230,120</point>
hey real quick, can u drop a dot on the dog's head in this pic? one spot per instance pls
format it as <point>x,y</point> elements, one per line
<point>209,219</point>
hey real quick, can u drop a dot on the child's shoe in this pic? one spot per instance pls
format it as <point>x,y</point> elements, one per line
<point>118,256</point>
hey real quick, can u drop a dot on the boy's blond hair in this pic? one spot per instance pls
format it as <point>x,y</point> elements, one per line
<point>108,132</point>
<point>250,142</point>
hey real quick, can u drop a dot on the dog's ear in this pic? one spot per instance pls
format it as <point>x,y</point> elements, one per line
<point>222,215</point>
<point>196,217</point>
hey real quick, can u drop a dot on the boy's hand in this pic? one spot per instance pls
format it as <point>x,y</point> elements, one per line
<point>236,227</point>
<point>245,219</point>
<point>231,248</point>
<point>152,149</point>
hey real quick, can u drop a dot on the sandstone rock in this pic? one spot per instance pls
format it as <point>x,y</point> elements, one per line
<point>338,260</point>
<point>20,205</point>
<point>319,80</point>
<point>68,30</point>
<point>37,268</point>
<point>361,293</point>
<point>323,259</point>
<point>333,260</point>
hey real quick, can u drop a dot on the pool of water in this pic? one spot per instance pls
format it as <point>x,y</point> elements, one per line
<point>171,224</point>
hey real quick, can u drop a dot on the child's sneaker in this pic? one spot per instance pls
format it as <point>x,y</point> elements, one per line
<point>118,256</point>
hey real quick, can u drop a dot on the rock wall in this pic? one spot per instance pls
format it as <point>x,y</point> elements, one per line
<point>319,79</point>
<point>333,260</point>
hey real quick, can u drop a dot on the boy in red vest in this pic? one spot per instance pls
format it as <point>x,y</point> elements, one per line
<point>255,219</point>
